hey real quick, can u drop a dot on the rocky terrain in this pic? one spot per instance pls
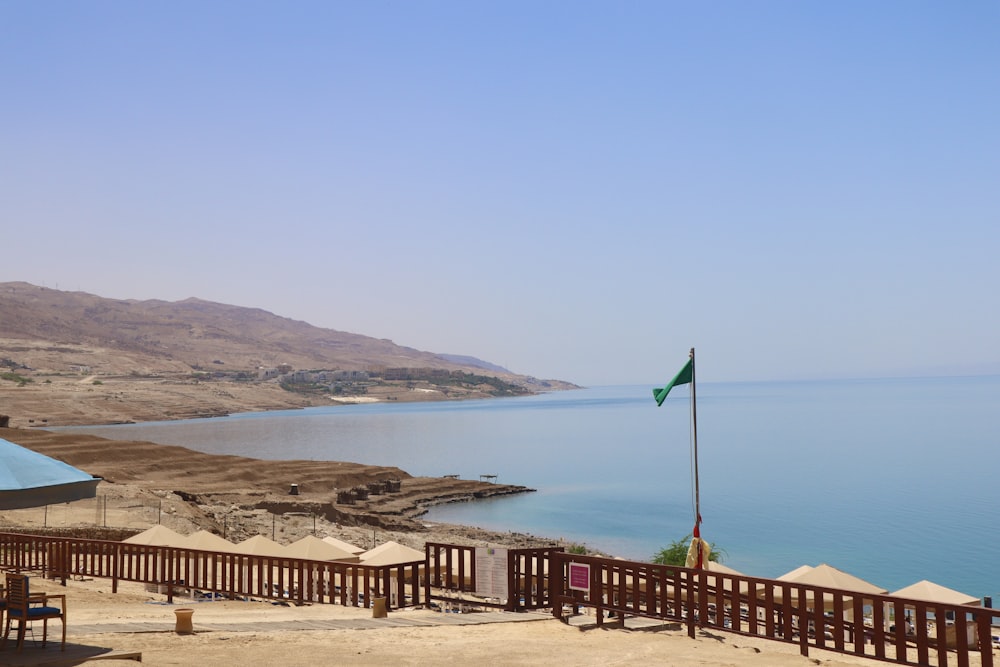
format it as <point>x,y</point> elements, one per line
<point>71,358</point>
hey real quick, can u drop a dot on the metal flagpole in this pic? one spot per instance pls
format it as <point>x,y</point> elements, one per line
<point>694,427</point>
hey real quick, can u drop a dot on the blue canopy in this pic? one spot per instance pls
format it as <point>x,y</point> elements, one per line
<point>30,479</point>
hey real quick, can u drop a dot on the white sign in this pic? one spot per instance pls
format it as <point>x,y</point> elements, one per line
<point>491,572</point>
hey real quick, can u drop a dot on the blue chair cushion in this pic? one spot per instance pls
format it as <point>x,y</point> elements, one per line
<point>34,612</point>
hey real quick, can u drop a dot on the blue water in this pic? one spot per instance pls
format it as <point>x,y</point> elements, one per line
<point>892,480</point>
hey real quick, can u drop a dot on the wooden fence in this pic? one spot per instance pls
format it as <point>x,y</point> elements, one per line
<point>898,630</point>
<point>213,573</point>
<point>881,627</point>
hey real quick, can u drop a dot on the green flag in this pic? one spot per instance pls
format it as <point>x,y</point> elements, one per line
<point>684,377</point>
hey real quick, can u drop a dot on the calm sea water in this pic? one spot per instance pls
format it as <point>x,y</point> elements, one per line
<point>893,480</point>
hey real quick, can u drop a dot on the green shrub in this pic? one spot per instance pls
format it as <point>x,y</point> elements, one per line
<point>676,553</point>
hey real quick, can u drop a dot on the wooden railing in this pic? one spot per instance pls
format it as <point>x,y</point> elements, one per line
<point>899,630</point>
<point>214,573</point>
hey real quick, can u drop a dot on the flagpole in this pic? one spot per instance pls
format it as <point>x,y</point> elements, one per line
<point>694,428</point>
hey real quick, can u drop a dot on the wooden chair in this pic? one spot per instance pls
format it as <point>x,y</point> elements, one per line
<point>23,608</point>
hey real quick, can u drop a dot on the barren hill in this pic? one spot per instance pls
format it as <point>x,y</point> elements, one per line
<point>73,358</point>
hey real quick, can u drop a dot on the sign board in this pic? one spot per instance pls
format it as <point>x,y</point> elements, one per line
<point>579,576</point>
<point>491,572</point>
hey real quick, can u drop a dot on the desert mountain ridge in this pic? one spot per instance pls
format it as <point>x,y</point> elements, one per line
<point>201,358</point>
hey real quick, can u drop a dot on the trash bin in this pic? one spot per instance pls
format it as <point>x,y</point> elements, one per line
<point>378,608</point>
<point>183,626</point>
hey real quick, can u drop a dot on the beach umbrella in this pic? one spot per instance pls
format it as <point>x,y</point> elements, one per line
<point>158,535</point>
<point>30,479</point>
<point>711,568</point>
<point>258,545</point>
<point>346,546</point>
<point>828,576</point>
<point>824,576</point>
<point>928,591</point>
<point>792,575</point>
<point>313,548</point>
<point>206,541</point>
<point>391,553</point>
<point>727,584</point>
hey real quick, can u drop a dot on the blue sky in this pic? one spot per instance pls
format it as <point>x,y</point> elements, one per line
<point>575,190</point>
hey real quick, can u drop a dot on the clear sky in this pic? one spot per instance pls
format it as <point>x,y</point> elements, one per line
<point>575,190</point>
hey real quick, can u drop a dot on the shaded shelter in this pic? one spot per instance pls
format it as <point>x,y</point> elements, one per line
<point>346,546</point>
<point>823,576</point>
<point>928,591</point>
<point>391,553</point>
<point>30,479</point>
<point>258,545</point>
<point>828,576</point>
<point>158,535</point>
<point>206,541</point>
<point>273,576</point>
<point>792,575</point>
<point>313,548</point>
<point>727,584</point>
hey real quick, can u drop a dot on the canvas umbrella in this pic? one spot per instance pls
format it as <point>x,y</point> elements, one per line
<point>928,591</point>
<point>391,553</point>
<point>792,575</point>
<point>341,544</point>
<point>313,548</point>
<point>206,541</point>
<point>828,576</point>
<point>824,576</point>
<point>30,479</point>
<point>158,535</point>
<point>258,545</point>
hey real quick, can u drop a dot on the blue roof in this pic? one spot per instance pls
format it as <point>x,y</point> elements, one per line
<point>22,468</point>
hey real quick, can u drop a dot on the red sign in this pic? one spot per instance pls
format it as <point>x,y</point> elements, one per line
<point>579,576</point>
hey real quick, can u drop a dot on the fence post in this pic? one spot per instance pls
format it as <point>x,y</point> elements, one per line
<point>513,594</point>
<point>116,565</point>
<point>984,621</point>
<point>557,584</point>
<point>803,622</point>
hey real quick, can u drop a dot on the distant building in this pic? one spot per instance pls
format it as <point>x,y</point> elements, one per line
<point>267,373</point>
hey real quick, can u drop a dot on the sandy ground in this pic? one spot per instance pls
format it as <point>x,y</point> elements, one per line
<point>93,611</point>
